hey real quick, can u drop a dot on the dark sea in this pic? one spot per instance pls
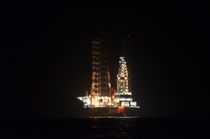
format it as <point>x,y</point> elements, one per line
<point>105,128</point>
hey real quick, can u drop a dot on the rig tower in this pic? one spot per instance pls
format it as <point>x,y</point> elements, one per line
<point>100,85</point>
<point>122,78</point>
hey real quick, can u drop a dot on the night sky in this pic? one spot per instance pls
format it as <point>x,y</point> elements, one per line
<point>46,57</point>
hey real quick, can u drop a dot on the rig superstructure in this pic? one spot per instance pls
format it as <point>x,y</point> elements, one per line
<point>101,96</point>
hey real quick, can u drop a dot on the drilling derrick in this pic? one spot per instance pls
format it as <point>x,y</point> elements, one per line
<point>122,78</point>
<point>123,96</point>
<point>100,85</point>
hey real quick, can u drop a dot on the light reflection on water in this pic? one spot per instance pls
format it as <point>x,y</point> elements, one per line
<point>92,128</point>
<point>114,117</point>
<point>113,128</point>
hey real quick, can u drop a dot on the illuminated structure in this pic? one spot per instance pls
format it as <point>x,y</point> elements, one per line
<point>122,78</point>
<point>100,73</point>
<point>101,94</point>
<point>123,97</point>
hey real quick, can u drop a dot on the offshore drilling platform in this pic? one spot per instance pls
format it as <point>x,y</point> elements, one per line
<point>102,99</point>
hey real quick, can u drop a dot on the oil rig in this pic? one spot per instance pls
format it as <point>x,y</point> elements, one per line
<point>102,99</point>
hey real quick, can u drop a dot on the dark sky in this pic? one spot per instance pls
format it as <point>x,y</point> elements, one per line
<point>46,56</point>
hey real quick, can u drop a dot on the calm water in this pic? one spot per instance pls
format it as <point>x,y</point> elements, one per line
<point>105,128</point>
